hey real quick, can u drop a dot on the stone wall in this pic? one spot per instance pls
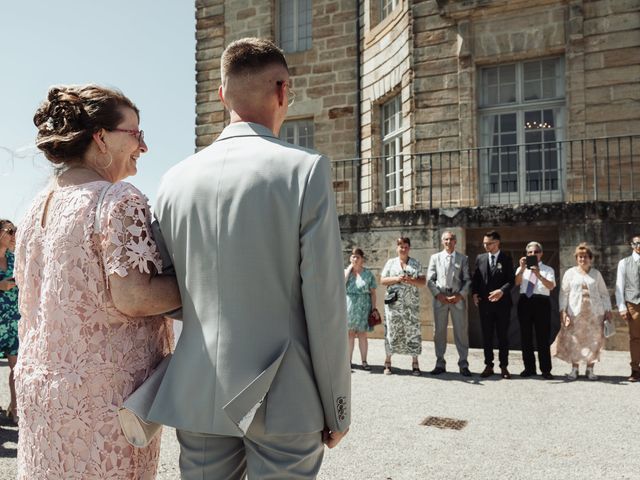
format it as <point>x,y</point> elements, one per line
<point>605,226</point>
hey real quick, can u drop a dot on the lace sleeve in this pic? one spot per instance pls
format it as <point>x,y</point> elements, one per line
<point>127,243</point>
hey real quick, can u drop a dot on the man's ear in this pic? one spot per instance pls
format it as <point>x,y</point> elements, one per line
<point>221,95</point>
<point>98,137</point>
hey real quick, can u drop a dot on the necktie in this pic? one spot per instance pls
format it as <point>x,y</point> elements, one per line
<point>493,262</point>
<point>448,271</point>
<point>531,284</point>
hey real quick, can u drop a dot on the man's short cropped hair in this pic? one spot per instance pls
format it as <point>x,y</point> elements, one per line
<point>493,235</point>
<point>249,55</point>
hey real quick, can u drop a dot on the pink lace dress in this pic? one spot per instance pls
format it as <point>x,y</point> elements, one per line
<point>79,356</point>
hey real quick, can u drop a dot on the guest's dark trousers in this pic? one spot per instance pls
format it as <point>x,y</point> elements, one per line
<point>495,318</point>
<point>535,312</point>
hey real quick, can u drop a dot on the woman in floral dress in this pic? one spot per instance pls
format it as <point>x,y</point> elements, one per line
<point>402,276</point>
<point>584,306</point>
<point>9,314</point>
<point>90,299</point>
<point>361,300</point>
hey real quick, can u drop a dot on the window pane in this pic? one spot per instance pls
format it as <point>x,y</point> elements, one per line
<point>294,20</point>
<point>298,132</point>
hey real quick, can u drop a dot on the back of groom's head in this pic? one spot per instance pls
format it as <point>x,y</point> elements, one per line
<point>250,56</point>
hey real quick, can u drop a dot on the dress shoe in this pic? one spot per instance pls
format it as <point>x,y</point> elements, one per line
<point>465,372</point>
<point>437,371</point>
<point>634,377</point>
<point>527,373</point>
<point>504,373</point>
<point>487,372</point>
<point>547,376</point>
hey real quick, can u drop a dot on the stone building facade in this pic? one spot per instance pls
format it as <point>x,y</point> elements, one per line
<point>519,115</point>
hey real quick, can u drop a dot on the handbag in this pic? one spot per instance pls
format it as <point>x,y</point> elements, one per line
<point>609,329</point>
<point>132,414</point>
<point>374,318</point>
<point>391,297</point>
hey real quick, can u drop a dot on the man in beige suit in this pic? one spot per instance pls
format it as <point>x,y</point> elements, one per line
<point>260,377</point>
<point>449,281</point>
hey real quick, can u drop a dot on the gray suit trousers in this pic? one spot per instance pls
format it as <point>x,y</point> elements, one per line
<point>257,455</point>
<point>460,332</point>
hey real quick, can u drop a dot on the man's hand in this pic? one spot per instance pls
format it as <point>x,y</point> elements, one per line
<point>331,439</point>
<point>454,298</point>
<point>442,298</point>
<point>476,299</point>
<point>626,315</point>
<point>495,295</point>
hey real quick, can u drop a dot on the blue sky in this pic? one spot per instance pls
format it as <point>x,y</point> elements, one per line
<point>145,48</point>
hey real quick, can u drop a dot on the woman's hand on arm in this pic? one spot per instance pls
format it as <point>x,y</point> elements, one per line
<point>142,294</point>
<point>7,284</point>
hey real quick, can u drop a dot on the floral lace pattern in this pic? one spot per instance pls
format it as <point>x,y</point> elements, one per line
<point>79,356</point>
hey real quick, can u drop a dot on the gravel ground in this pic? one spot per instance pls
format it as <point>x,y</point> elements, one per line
<point>516,429</point>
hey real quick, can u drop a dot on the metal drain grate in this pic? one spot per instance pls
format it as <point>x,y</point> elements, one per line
<point>442,422</point>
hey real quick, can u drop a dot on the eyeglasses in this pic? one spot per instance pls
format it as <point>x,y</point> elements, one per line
<point>489,243</point>
<point>534,252</point>
<point>635,244</point>
<point>139,134</point>
<point>10,231</point>
<point>291,95</point>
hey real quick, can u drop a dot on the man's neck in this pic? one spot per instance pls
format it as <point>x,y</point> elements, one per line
<point>235,117</point>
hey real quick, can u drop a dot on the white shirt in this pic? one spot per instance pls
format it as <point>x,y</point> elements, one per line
<point>571,292</point>
<point>622,270</point>
<point>539,289</point>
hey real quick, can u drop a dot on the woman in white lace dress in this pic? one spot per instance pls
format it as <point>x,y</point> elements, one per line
<point>91,329</point>
<point>584,306</point>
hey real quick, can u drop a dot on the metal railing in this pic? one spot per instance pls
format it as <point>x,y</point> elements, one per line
<point>556,171</point>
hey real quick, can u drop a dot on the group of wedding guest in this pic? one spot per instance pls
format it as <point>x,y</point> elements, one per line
<point>585,306</point>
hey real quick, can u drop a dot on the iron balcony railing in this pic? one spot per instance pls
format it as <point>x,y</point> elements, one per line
<point>558,171</point>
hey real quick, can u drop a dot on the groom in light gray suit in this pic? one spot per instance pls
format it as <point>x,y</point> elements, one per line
<point>449,281</point>
<point>260,377</point>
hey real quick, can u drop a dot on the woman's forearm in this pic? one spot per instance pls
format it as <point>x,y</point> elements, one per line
<point>141,295</point>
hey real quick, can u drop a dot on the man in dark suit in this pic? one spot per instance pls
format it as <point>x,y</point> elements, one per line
<point>491,286</point>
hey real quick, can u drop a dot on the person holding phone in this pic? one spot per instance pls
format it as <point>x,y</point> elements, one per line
<point>536,280</point>
<point>9,314</point>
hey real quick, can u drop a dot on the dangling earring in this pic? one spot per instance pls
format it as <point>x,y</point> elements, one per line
<point>104,167</point>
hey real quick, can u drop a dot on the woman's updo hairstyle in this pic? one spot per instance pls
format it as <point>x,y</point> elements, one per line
<point>71,114</point>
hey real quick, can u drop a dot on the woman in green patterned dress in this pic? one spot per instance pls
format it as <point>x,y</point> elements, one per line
<point>9,314</point>
<point>402,330</point>
<point>361,300</point>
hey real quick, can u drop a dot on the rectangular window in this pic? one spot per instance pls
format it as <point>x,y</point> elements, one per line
<point>392,151</point>
<point>294,25</point>
<point>298,132</point>
<point>521,123</point>
<point>386,7</point>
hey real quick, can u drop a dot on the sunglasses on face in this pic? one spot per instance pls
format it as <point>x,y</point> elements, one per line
<point>10,231</point>
<point>635,244</point>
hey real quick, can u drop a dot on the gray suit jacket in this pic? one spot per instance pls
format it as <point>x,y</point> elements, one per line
<point>436,276</point>
<point>251,226</point>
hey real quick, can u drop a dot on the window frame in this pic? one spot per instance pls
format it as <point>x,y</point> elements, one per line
<point>294,6</point>
<point>392,164</point>
<point>521,108</point>
<point>298,124</point>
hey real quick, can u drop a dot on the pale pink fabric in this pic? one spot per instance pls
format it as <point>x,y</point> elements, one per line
<point>79,356</point>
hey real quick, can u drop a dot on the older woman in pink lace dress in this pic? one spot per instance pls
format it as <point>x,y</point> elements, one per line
<point>91,329</point>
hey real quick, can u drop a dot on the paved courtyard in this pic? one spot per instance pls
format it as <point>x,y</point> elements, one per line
<point>516,429</point>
